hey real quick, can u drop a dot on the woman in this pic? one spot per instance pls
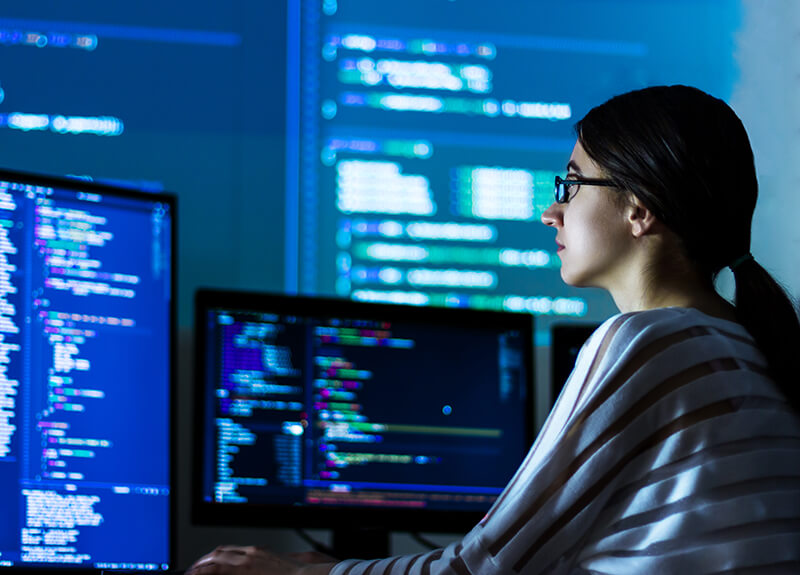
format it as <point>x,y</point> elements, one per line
<point>675,445</point>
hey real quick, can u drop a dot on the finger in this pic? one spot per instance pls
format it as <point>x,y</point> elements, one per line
<point>223,562</point>
<point>204,560</point>
<point>223,557</point>
<point>205,568</point>
<point>253,550</point>
<point>213,553</point>
<point>220,555</point>
<point>232,548</point>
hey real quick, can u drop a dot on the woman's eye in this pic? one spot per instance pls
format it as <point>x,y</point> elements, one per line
<point>572,189</point>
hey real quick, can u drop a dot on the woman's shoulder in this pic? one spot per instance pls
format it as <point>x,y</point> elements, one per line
<point>643,327</point>
<point>683,337</point>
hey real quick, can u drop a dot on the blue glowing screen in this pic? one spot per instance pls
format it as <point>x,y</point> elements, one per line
<point>431,132</point>
<point>181,96</point>
<point>85,375</point>
<point>311,405</point>
<point>382,151</point>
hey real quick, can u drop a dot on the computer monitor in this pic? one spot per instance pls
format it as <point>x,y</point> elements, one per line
<point>86,374</point>
<point>340,414</point>
<point>566,342</point>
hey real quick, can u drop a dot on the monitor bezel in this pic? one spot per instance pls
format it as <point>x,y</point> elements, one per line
<point>288,516</point>
<point>82,184</point>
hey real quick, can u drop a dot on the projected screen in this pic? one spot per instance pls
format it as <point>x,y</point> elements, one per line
<point>88,87</point>
<point>312,405</point>
<point>431,131</point>
<point>183,96</point>
<point>389,151</point>
<point>85,375</point>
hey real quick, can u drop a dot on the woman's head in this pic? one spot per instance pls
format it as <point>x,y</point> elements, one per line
<point>686,156</point>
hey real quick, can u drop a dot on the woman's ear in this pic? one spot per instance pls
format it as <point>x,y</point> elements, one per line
<point>640,219</point>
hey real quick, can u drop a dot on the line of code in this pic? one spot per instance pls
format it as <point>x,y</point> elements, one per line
<point>360,412</point>
<point>81,302</point>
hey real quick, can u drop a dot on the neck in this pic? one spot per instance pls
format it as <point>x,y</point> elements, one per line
<point>677,284</point>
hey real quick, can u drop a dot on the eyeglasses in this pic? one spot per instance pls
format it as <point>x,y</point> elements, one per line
<point>563,185</point>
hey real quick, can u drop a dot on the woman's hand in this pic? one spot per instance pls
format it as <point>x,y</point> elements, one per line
<point>237,560</point>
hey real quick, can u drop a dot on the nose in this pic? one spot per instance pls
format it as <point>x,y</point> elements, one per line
<point>554,215</point>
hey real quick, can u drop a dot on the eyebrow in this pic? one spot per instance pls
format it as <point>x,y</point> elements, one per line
<point>572,166</point>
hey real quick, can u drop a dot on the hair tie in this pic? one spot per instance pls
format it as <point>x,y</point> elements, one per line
<point>739,261</point>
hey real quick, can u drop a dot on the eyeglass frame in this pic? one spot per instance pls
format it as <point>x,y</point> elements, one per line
<point>567,183</point>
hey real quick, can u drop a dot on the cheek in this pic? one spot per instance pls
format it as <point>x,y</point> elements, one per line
<point>591,229</point>
<point>596,239</point>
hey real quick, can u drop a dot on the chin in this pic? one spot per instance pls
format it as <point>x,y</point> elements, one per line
<point>576,279</point>
<point>569,278</point>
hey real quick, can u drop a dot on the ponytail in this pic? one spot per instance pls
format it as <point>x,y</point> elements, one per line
<point>767,312</point>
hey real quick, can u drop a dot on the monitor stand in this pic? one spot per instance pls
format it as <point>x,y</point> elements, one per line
<point>361,543</point>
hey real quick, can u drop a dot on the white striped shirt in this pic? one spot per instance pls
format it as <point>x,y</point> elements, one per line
<point>668,451</point>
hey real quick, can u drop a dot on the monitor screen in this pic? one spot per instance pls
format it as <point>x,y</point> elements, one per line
<point>429,134</point>
<point>567,341</point>
<point>323,413</point>
<point>86,335</point>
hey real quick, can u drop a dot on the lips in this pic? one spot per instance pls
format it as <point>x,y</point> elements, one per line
<point>559,245</point>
